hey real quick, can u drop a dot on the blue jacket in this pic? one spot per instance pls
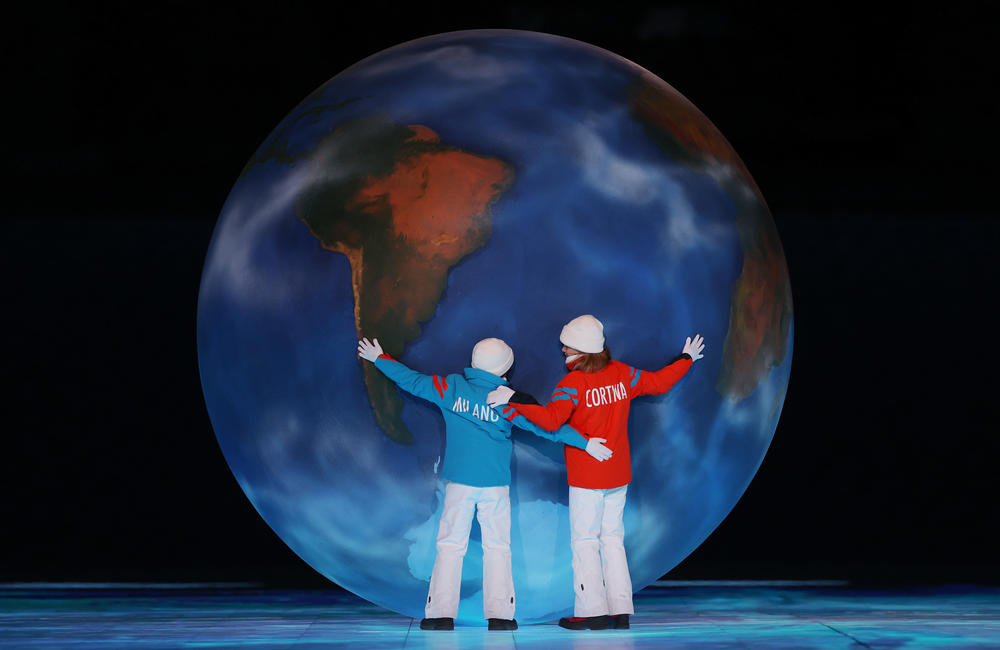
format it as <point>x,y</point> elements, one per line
<point>477,439</point>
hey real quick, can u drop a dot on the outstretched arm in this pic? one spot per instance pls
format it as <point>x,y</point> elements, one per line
<point>644,382</point>
<point>549,417</point>
<point>564,434</point>
<point>433,388</point>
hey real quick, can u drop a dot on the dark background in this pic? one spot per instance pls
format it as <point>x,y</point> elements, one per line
<point>871,133</point>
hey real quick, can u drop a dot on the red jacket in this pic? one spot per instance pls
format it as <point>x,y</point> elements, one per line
<point>597,404</point>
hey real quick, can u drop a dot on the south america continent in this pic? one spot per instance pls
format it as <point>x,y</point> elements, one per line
<point>405,209</point>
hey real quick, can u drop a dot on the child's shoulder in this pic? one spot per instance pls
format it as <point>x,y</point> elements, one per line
<point>454,378</point>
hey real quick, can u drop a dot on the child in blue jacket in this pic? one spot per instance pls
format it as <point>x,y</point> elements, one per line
<point>477,470</point>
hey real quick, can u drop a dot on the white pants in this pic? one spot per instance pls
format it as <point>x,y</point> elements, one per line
<point>597,537</point>
<point>492,508</point>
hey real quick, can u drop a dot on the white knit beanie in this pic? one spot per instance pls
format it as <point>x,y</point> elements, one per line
<point>584,333</point>
<point>492,355</point>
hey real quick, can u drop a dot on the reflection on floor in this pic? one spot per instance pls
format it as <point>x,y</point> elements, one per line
<point>668,615</point>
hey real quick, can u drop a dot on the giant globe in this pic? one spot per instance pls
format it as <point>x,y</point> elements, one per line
<point>487,184</point>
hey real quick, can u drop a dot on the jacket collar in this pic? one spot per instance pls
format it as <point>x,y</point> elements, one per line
<point>484,378</point>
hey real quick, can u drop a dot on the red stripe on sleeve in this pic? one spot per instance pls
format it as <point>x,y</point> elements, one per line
<point>437,385</point>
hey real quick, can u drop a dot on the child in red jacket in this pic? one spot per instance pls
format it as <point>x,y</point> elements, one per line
<point>595,397</point>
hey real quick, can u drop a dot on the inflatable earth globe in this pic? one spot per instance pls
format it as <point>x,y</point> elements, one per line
<point>487,184</point>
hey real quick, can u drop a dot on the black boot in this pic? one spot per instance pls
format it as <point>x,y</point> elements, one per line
<point>502,624</point>
<point>437,624</point>
<point>602,622</point>
<point>619,621</point>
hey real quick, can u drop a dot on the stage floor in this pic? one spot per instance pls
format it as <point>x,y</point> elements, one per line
<point>668,615</point>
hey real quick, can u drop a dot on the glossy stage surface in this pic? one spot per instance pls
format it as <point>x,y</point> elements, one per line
<point>668,615</point>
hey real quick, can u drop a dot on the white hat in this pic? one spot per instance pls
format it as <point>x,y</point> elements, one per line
<point>492,355</point>
<point>584,333</point>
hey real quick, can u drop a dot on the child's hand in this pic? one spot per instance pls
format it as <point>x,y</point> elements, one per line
<point>501,395</point>
<point>694,347</point>
<point>597,450</point>
<point>369,351</point>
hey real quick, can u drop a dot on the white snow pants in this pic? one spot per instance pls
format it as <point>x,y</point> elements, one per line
<point>492,508</point>
<point>597,537</point>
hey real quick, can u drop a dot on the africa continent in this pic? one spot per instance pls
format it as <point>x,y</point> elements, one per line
<point>761,301</point>
<point>404,208</point>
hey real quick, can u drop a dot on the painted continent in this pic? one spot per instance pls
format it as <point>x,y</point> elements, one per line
<point>761,307</point>
<point>405,209</point>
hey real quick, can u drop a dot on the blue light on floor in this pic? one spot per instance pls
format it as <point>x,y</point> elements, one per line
<point>828,614</point>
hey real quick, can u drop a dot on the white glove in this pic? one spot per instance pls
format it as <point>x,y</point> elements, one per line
<point>597,450</point>
<point>368,350</point>
<point>500,396</point>
<point>694,347</point>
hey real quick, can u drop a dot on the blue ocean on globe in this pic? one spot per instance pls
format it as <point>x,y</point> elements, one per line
<point>487,184</point>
